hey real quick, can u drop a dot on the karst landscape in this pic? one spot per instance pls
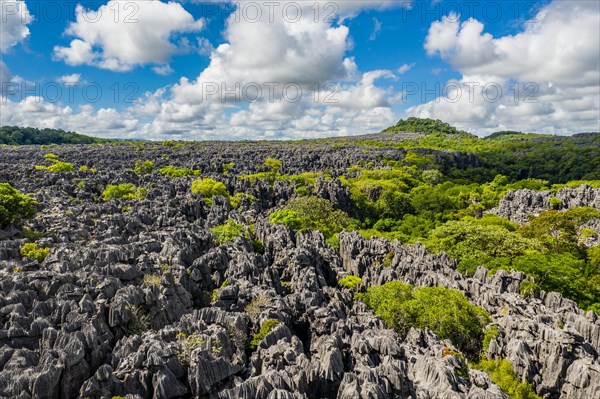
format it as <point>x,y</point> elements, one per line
<point>419,262</point>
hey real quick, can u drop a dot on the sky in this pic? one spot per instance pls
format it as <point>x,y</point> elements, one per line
<point>235,70</point>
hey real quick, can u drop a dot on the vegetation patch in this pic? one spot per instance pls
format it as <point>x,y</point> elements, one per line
<point>124,191</point>
<point>32,251</point>
<point>446,312</point>
<point>265,329</point>
<point>229,232</point>
<point>14,206</point>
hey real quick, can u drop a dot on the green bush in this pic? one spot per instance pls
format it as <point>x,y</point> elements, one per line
<point>273,164</point>
<point>350,282</point>
<point>315,214</point>
<point>555,203</point>
<point>14,206</point>
<point>51,158</point>
<point>143,168</point>
<point>32,251</point>
<point>503,375</point>
<point>209,188</point>
<point>265,329</point>
<point>229,231</point>
<point>489,334</point>
<point>173,172</point>
<point>125,191</point>
<point>59,167</point>
<point>446,312</point>
<point>528,288</point>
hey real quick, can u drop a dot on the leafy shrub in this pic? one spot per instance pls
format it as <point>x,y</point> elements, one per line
<point>125,191</point>
<point>237,199</point>
<point>273,164</point>
<point>315,214</point>
<point>350,282</point>
<point>187,344</point>
<point>60,167</point>
<point>173,172</point>
<point>446,312</point>
<point>14,206</point>
<point>555,203</point>
<point>489,334</point>
<point>143,168</point>
<point>32,251</point>
<point>265,329</point>
<point>229,231</point>
<point>209,188</point>
<point>528,288</point>
<point>227,166</point>
<point>503,375</point>
<point>51,158</point>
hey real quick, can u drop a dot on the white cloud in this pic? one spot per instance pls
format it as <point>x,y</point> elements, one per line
<point>70,80</point>
<point>376,29</point>
<point>549,74</point>
<point>405,68</point>
<point>122,35</point>
<point>15,17</point>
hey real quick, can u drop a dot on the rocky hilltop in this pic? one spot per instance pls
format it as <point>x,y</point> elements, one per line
<point>138,298</point>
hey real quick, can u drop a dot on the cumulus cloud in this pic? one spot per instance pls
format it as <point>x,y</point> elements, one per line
<point>15,17</point>
<point>549,74</point>
<point>122,35</point>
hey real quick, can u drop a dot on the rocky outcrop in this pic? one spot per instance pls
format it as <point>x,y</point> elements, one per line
<point>142,302</point>
<point>518,205</point>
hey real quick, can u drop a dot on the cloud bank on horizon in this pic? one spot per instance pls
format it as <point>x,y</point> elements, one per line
<point>295,69</point>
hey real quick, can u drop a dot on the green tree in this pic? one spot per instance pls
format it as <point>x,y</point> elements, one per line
<point>446,312</point>
<point>273,164</point>
<point>14,206</point>
<point>315,214</point>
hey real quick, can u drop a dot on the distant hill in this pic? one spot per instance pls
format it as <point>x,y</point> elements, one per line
<point>13,135</point>
<point>426,126</point>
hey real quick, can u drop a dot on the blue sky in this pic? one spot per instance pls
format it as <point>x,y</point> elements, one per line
<point>144,69</point>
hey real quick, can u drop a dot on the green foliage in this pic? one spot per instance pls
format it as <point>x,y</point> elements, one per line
<point>555,203</point>
<point>53,158</point>
<point>315,214</point>
<point>151,279</point>
<point>32,251</point>
<point>477,244</point>
<point>558,231</point>
<point>209,188</point>
<point>273,164</point>
<point>174,172</point>
<point>528,288</point>
<point>143,168</point>
<point>350,282</point>
<point>490,333</point>
<point>13,135</point>
<point>427,126</point>
<point>239,197</point>
<point>59,167</point>
<point>265,329</point>
<point>446,312</point>
<point>14,206</point>
<point>229,231</point>
<point>503,375</point>
<point>125,191</point>
<point>227,166</point>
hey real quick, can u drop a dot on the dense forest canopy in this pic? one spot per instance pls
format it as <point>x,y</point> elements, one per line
<point>14,135</point>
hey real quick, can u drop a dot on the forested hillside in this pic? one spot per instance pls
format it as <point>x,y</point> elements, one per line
<point>13,135</point>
